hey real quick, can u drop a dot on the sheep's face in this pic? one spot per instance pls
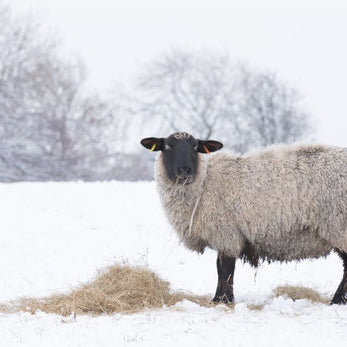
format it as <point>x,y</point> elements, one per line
<point>180,154</point>
<point>180,157</point>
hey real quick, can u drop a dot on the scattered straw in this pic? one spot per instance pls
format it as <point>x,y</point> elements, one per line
<point>297,293</point>
<point>126,289</point>
<point>254,307</point>
<point>119,288</point>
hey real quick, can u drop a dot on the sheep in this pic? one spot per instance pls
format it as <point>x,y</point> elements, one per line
<point>279,204</point>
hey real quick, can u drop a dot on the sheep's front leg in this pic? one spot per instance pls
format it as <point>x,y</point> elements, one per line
<point>225,286</point>
<point>340,296</point>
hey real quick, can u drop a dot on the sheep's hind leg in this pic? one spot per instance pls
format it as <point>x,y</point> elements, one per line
<point>225,286</point>
<point>340,296</point>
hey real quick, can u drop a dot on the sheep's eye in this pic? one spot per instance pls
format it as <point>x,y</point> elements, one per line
<point>195,148</point>
<point>167,147</point>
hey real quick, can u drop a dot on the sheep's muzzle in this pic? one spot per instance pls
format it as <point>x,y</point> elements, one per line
<point>184,179</point>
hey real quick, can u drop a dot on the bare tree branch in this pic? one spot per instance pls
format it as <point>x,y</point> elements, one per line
<point>211,96</point>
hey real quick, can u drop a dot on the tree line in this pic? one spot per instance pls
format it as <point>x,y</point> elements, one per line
<point>53,126</point>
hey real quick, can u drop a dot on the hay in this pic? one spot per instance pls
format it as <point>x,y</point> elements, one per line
<point>298,293</point>
<point>119,288</point>
<point>255,307</point>
<point>295,293</point>
<point>126,289</point>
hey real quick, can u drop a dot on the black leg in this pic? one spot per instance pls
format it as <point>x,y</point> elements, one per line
<point>225,286</point>
<point>220,283</point>
<point>340,296</point>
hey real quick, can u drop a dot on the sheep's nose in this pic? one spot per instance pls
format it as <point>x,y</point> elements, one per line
<point>184,171</point>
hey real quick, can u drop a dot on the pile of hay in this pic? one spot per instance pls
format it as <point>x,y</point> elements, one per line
<point>119,288</point>
<point>294,293</point>
<point>298,292</point>
<point>126,289</point>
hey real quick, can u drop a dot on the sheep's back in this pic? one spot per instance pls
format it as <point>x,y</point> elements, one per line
<point>283,203</point>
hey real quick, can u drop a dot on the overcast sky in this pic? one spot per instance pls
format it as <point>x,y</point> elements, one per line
<point>303,41</point>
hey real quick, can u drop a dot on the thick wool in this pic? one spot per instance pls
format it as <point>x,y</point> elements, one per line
<point>283,203</point>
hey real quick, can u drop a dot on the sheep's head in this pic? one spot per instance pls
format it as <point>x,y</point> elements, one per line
<point>180,154</point>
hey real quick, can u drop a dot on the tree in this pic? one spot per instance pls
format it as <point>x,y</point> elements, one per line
<point>211,96</point>
<point>270,112</point>
<point>51,126</point>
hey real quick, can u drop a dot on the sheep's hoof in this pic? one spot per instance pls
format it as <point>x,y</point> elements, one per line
<point>223,299</point>
<point>339,300</point>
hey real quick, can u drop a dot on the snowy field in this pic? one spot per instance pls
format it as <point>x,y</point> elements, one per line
<point>55,236</point>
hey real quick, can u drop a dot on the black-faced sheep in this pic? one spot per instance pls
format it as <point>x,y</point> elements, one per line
<point>285,203</point>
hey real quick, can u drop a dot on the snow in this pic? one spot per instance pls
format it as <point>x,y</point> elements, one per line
<point>55,236</point>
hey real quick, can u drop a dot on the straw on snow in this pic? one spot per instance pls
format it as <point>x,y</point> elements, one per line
<point>119,288</point>
<point>126,289</point>
<point>298,292</point>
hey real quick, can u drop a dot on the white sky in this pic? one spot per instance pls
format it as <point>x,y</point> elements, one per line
<point>304,41</point>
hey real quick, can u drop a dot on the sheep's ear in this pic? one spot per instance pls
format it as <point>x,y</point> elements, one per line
<point>209,146</point>
<point>153,143</point>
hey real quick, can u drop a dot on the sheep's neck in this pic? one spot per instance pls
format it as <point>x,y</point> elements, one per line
<point>181,201</point>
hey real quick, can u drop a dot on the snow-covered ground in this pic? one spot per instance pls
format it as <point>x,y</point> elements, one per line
<point>55,236</point>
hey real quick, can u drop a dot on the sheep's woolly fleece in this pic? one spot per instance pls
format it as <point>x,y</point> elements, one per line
<point>274,198</point>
